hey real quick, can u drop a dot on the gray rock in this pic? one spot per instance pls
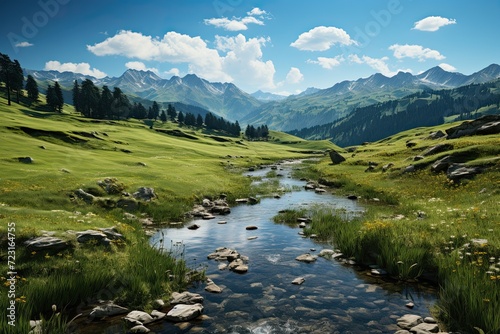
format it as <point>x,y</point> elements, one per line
<point>25,160</point>
<point>402,331</point>
<point>385,168</point>
<point>457,172</point>
<point>437,149</point>
<point>158,303</point>
<point>92,235</point>
<point>298,281</point>
<point>409,321</point>
<point>251,228</point>
<point>139,329</point>
<point>182,312</point>
<point>88,198</point>
<point>210,287</point>
<point>157,315</point>
<point>424,328</point>
<point>485,125</point>
<point>46,244</point>
<point>107,310</point>
<point>409,169</point>
<point>336,157</point>
<point>307,258</point>
<point>186,297</point>
<point>436,135</point>
<point>430,320</point>
<point>145,194</point>
<point>111,185</point>
<point>442,164</point>
<point>128,204</point>
<point>138,317</point>
<point>112,233</point>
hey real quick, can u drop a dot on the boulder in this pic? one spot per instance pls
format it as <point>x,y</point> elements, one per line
<point>251,228</point>
<point>485,125</point>
<point>157,315</point>
<point>425,328</point>
<point>138,318</point>
<point>25,160</point>
<point>111,185</point>
<point>409,321</point>
<point>193,227</point>
<point>442,164</point>
<point>128,204</point>
<point>437,149</point>
<point>186,297</point>
<point>307,258</point>
<point>145,194</point>
<point>88,198</point>
<point>385,168</point>
<point>336,157</point>
<point>224,254</point>
<point>182,312</point>
<point>46,244</point>
<point>107,310</point>
<point>112,233</point>
<point>436,135</point>
<point>409,169</point>
<point>92,235</point>
<point>211,287</point>
<point>298,281</point>
<point>457,172</point>
<point>139,329</point>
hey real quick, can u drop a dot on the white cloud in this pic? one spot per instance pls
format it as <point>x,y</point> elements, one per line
<point>23,45</point>
<point>140,66</point>
<point>82,68</point>
<point>257,12</point>
<point>433,23</point>
<point>234,59</point>
<point>238,24</point>
<point>447,67</point>
<point>173,72</point>
<point>172,47</point>
<point>322,38</point>
<point>327,63</point>
<point>294,76</point>
<point>378,64</point>
<point>243,61</point>
<point>415,51</point>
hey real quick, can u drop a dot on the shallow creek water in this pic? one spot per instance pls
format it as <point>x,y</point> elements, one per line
<point>333,299</point>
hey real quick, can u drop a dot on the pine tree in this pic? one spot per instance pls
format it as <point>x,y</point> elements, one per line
<point>180,117</point>
<point>120,107</point>
<point>59,97</point>
<point>51,98</point>
<point>32,89</point>
<point>155,110</point>
<point>76,96</point>
<point>17,79</point>
<point>199,121</point>
<point>105,102</point>
<point>163,116</point>
<point>6,74</point>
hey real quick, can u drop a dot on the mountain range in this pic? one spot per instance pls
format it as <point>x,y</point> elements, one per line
<point>311,107</point>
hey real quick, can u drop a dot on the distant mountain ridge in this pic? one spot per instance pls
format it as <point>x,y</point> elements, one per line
<point>327,105</point>
<point>309,108</point>
<point>223,99</point>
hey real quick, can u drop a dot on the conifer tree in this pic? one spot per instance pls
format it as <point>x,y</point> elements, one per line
<point>32,89</point>
<point>76,96</point>
<point>59,97</point>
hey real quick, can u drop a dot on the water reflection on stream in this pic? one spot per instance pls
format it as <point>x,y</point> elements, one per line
<point>333,299</point>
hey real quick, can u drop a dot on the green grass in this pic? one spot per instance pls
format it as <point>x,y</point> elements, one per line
<point>421,221</point>
<point>71,152</point>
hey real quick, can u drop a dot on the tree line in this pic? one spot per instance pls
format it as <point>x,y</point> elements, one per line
<point>260,132</point>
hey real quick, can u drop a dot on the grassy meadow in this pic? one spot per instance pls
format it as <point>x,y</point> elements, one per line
<point>421,225</point>
<point>417,225</point>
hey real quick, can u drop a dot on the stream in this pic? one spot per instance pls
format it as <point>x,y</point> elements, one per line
<point>334,298</point>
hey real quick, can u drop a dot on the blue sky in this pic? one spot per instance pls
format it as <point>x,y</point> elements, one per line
<point>280,46</point>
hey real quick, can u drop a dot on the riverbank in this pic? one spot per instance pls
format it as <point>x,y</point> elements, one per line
<point>421,222</point>
<point>62,175</point>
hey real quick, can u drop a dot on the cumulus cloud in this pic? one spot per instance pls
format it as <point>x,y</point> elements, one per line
<point>234,59</point>
<point>433,23</point>
<point>172,47</point>
<point>294,76</point>
<point>140,66</point>
<point>378,64</point>
<point>327,63</point>
<point>243,61</point>
<point>82,68</point>
<point>173,72</point>
<point>238,24</point>
<point>322,38</point>
<point>415,51</point>
<point>23,45</point>
<point>447,67</point>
